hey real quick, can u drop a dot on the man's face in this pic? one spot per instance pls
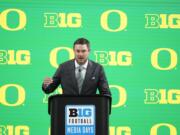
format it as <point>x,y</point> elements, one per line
<point>81,53</point>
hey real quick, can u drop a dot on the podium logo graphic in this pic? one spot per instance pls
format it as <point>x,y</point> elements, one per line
<point>80,119</point>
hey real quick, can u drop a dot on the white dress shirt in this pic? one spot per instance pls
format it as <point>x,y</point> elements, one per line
<point>83,70</point>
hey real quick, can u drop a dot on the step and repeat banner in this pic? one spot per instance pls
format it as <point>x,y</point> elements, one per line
<point>136,41</point>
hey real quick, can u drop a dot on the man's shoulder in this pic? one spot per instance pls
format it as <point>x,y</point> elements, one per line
<point>67,63</point>
<point>95,63</point>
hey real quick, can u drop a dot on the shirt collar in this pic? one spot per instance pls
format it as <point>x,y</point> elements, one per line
<point>84,65</point>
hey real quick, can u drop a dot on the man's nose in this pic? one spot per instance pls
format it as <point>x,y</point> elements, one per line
<point>80,54</point>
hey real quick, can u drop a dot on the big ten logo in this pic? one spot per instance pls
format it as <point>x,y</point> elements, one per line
<point>119,130</point>
<point>15,16</point>
<point>12,57</point>
<point>62,20</point>
<point>80,111</point>
<point>162,96</point>
<point>168,129</point>
<point>122,20</point>
<point>112,58</point>
<point>54,53</point>
<point>162,21</point>
<point>14,130</point>
<point>169,54</point>
<point>10,99</point>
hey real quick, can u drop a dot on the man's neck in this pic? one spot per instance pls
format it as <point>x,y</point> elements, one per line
<point>81,64</point>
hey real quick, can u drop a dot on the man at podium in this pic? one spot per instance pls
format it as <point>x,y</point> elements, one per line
<point>79,76</point>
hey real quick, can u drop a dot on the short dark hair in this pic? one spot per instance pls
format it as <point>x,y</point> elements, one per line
<point>82,41</point>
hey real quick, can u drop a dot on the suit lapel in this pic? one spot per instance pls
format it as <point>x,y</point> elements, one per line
<point>72,72</point>
<point>88,75</point>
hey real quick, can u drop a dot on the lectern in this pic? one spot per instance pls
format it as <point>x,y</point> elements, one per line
<point>79,115</point>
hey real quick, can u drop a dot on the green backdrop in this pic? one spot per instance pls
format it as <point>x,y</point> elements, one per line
<point>137,42</point>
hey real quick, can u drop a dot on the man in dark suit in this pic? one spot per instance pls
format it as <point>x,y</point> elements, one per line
<point>79,76</point>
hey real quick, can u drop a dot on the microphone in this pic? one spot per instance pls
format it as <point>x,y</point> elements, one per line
<point>80,68</point>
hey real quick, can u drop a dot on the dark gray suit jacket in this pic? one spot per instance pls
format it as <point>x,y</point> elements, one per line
<point>94,79</point>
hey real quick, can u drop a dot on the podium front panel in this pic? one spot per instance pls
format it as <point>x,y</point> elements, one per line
<point>76,115</point>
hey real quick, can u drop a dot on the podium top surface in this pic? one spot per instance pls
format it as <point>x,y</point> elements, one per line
<point>58,96</point>
<point>63,95</point>
<point>78,99</point>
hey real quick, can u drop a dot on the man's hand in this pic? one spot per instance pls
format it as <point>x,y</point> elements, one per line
<point>47,81</point>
